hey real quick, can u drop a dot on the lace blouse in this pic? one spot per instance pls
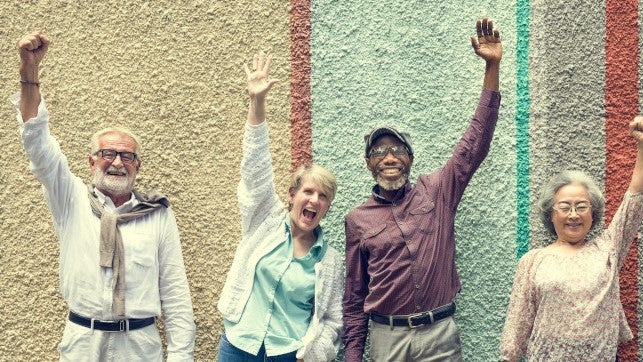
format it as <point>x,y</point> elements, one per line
<point>567,307</point>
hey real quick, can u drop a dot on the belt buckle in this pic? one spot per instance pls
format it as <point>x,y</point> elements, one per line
<point>123,325</point>
<point>410,318</point>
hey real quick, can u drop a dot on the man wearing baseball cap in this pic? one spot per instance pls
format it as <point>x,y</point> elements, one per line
<point>400,243</point>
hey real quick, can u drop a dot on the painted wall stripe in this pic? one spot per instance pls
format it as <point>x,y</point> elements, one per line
<point>522,127</point>
<point>621,103</point>
<point>300,112</point>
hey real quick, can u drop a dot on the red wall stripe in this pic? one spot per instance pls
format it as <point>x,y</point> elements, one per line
<point>621,102</point>
<point>300,116</point>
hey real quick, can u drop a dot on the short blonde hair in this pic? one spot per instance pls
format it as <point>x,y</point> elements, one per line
<point>319,175</point>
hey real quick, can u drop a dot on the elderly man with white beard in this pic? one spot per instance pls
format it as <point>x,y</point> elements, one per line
<point>121,265</point>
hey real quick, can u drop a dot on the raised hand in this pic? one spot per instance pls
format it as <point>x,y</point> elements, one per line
<point>636,129</point>
<point>487,45</point>
<point>32,48</point>
<point>259,81</point>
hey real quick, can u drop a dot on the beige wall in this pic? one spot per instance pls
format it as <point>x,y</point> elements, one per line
<point>169,70</point>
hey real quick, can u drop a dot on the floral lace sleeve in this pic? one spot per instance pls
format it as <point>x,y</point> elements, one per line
<point>623,228</point>
<point>521,311</point>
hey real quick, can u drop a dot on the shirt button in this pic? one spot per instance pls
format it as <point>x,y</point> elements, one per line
<point>417,286</point>
<point>417,307</point>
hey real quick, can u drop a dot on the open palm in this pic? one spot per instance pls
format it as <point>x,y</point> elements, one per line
<point>259,81</point>
<point>487,45</point>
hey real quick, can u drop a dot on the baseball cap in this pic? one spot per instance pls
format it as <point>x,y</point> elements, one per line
<point>378,132</point>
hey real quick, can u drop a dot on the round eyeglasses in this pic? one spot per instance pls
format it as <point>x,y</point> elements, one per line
<point>566,209</point>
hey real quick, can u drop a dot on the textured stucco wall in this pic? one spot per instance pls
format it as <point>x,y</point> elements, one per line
<point>410,64</point>
<point>172,72</point>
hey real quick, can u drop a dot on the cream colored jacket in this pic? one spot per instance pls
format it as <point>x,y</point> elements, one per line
<point>262,216</point>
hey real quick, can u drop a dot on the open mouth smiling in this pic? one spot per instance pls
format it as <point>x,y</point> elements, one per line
<point>574,225</point>
<point>115,172</point>
<point>309,214</point>
<point>390,171</point>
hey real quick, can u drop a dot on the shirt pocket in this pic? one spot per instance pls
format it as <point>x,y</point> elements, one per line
<point>376,241</point>
<point>423,216</point>
<point>140,259</point>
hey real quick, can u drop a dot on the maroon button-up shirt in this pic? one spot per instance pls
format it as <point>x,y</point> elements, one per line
<point>400,255</point>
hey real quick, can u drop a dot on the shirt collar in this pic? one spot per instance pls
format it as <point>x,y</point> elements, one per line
<point>319,248</point>
<point>109,204</point>
<point>400,193</point>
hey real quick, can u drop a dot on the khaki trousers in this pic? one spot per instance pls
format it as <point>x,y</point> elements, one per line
<point>435,342</point>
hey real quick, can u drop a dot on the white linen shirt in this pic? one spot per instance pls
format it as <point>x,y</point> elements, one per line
<point>155,278</point>
<point>262,215</point>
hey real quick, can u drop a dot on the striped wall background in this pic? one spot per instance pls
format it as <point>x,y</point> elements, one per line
<point>172,71</point>
<point>570,87</point>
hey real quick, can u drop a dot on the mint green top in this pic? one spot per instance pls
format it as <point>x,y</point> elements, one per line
<point>281,302</point>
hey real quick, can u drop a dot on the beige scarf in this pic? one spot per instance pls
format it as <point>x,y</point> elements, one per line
<point>111,244</point>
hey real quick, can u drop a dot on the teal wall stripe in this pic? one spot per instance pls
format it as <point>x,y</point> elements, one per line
<point>522,127</point>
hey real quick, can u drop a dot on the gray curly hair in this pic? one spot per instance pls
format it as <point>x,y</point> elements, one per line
<point>546,199</point>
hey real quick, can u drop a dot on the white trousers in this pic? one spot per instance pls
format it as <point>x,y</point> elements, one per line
<point>82,344</point>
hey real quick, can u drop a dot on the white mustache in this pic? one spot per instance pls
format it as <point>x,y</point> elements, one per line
<point>112,169</point>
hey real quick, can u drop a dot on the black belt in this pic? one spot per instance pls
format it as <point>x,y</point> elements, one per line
<point>415,320</point>
<point>123,325</point>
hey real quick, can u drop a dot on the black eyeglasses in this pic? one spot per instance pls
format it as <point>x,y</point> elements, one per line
<point>381,151</point>
<point>110,155</point>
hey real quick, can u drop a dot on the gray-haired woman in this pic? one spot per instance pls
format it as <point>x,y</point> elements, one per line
<point>565,303</point>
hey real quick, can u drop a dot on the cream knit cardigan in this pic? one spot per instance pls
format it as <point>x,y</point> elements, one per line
<point>262,215</point>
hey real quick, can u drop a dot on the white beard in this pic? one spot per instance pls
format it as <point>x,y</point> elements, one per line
<point>113,185</point>
<point>391,185</point>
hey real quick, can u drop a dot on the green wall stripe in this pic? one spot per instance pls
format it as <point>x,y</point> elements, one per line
<point>522,127</point>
